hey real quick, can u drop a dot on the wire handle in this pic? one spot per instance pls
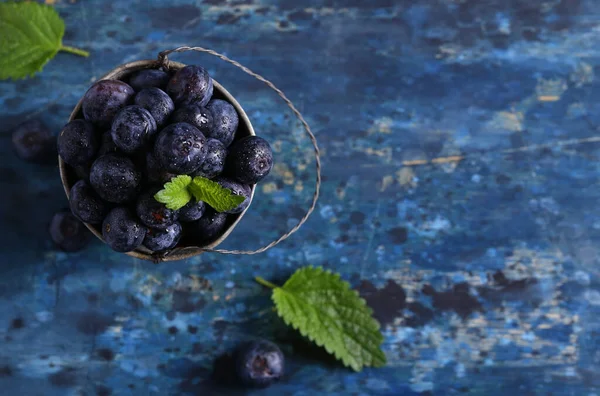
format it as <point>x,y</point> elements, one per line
<point>163,60</point>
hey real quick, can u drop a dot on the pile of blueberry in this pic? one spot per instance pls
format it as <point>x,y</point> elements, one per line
<point>137,135</point>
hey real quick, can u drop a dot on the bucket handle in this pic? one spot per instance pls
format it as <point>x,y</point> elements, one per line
<point>163,61</point>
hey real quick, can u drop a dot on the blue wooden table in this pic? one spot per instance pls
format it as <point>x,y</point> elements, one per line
<point>460,195</point>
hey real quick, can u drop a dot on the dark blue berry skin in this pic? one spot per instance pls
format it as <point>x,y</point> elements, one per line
<point>153,213</point>
<point>86,205</point>
<point>115,178</point>
<point>259,363</point>
<point>106,145</point>
<point>104,100</point>
<point>155,172</point>
<point>34,142</point>
<point>132,129</point>
<point>149,78</point>
<point>249,160</point>
<point>180,148</point>
<point>161,240</point>
<point>122,231</point>
<point>191,84</point>
<point>195,115</point>
<point>210,226</point>
<point>192,211</point>
<point>78,143</point>
<point>237,189</point>
<point>225,121</point>
<point>215,160</point>
<point>68,233</point>
<point>157,102</point>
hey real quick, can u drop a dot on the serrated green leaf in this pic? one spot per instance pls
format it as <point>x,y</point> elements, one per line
<point>175,194</point>
<point>326,310</point>
<point>219,198</point>
<point>31,34</point>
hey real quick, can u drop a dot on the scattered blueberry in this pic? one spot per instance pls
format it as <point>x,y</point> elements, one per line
<point>34,142</point>
<point>104,99</point>
<point>225,121</point>
<point>155,172</point>
<point>115,178</point>
<point>259,363</point>
<point>237,189</point>
<point>77,142</point>
<point>157,102</point>
<point>153,213</point>
<point>161,240</point>
<point>209,227</point>
<point>250,159</point>
<point>68,233</point>
<point>195,115</point>
<point>192,211</point>
<point>149,78</point>
<point>190,84</point>
<point>122,231</point>
<point>180,148</point>
<point>86,205</point>
<point>132,128</point>
<point>215,160</point>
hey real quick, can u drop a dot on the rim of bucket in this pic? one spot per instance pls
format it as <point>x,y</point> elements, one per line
<point>183,252</point>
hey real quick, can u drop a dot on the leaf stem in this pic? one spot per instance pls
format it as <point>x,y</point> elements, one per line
<point>73,50</point>
<point>265,282</point>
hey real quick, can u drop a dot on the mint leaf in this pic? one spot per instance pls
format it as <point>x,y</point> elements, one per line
<point>326,310</point>
<point>175,194</point>
<point>219,198</point>
<point>31,35</point>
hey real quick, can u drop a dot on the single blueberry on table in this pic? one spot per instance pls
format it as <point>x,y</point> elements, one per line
<point>34,142</point>
<point>237,189</point>
<point>157,102</point>
<point>180,148</point>
<point>259,363</point>
<point>215,160</point>
<point>68,233</point>
<point>153,213</point>
<point>191,84</point>
<point>161,240</point>
<point>249,160</point>
<point>115,178</point>
<point>155,172</point>
<point>192,211</point>
<point>209,227</point>
<point>86,204</point>
<point>149,78</point>
<point>122,231</point>
<point>104,99</point>
<point>78,143</point>
<point>196,115</point>
<point>132,128</point>
<point>225,121</point>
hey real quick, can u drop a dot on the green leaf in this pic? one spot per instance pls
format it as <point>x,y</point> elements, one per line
<point>175,194</point>
<point>326,310</point>
<point>219,198</point>
<point>31,35</point>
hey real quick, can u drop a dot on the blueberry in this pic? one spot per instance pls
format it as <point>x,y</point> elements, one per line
<point>104,99</point>
<point>180,148</point>
<point>122,231</point>
<point>34,142</point>
<point>132,128</point>
<point>237,189</point>
<point>215,160</point>
<point>225,121</point>
<point>86,205</point>
<point>209,227</point>
<point>153,213</point>
<point>195,115</point>
<point>249,160</point>
<point>258,363</point>
<point>191,84</point>
<point>155,173</point>
<point>161,240</point>
<point>77,143</point>
<point>192,211</point>
<point>157,102</point>
<point>115,178</point>
<point>149,78</point>
<point>106,145</point>
<point>68,233</point>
